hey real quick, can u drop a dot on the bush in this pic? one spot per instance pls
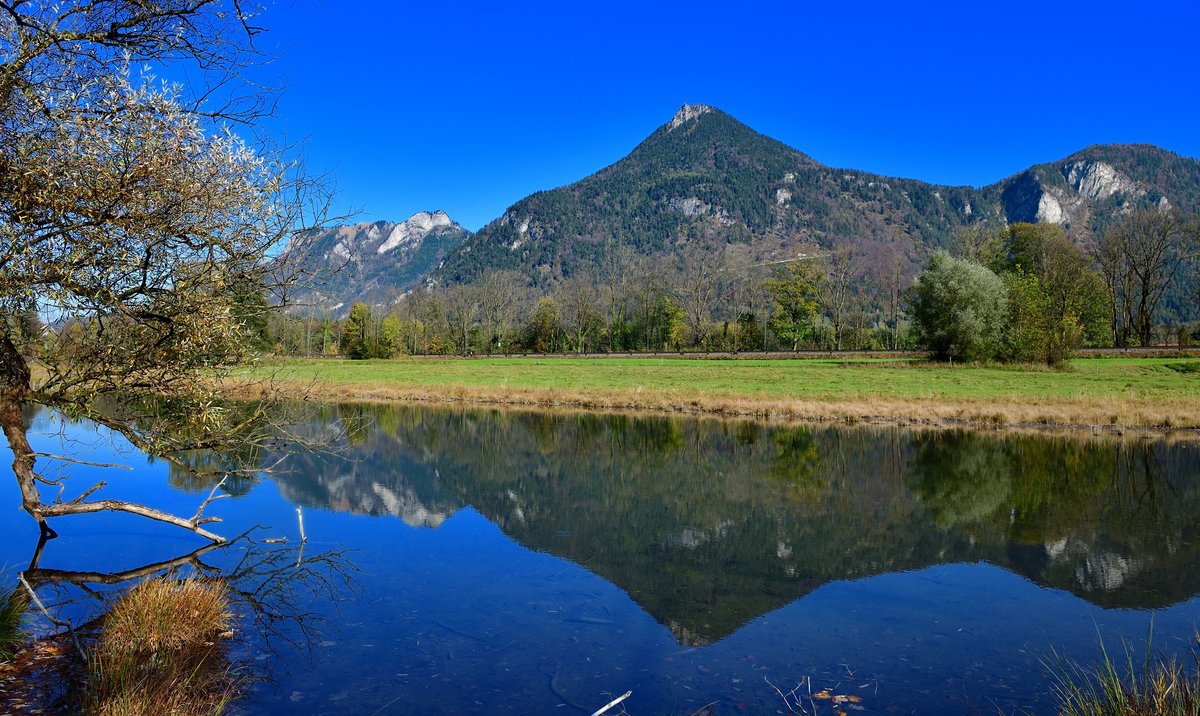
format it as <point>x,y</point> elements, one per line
<point>958,309</point>
<point>12,614</point>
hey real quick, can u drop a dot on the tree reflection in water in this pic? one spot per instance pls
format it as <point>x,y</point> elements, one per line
<point>708,524</point>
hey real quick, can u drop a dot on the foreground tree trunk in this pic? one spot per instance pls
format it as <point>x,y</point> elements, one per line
<point>14,392</point>
<point>133,213</point>
<point>14,388</point>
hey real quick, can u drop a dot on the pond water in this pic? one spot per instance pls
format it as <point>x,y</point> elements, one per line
<point>474,561</point>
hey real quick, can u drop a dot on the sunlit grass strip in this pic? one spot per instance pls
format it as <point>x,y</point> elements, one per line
<point>1162,688</point>
<point>1160,393</point>
<point>159,653</point>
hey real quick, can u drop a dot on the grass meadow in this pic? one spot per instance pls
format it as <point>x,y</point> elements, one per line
<point>1161,393</point>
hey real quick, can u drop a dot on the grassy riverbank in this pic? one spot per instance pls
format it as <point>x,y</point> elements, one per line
<point>1160,393</point>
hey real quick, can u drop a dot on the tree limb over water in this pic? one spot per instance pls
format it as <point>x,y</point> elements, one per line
<point>138,226</point>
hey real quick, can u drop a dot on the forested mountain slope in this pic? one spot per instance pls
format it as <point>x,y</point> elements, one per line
<point>704,181</point>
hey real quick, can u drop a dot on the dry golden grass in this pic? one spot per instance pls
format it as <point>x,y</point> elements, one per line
<point>159,653</point>
<point>1080,412</point>
<point>162,614</point>
<point>1151,688</point>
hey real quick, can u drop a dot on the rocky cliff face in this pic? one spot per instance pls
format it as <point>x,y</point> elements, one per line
<point>372,262</point>
<point>687,113</point>
<point>1088,190</point>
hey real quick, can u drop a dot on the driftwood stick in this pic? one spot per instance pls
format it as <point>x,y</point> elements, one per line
<point>90,490</point>
<point>614,702</point>
<point>300,518</point>
<point>212,495</point>
<point>37,601</point>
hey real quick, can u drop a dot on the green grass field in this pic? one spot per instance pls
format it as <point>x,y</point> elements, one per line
<point>1161,392</point>
<point>1172,378</point>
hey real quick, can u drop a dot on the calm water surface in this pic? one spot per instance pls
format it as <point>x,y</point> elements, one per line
<point>484,562</point>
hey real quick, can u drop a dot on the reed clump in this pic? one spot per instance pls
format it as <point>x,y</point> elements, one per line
<point>160,652</point>
<point>12,631</point>
<point>1159,688</point>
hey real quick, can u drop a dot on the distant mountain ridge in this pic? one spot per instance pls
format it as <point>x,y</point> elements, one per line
<point>704,179</point>
<point>374,262</point>
<point>1087,190</point>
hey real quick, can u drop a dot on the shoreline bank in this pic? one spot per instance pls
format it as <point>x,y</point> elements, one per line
<point>1150,396</point>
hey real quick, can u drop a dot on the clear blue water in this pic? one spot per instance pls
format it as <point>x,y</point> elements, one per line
<point>483,562</point>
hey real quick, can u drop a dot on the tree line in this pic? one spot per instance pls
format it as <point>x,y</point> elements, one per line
<point>1022,293</point>
<point>706,301</point>
<point>1029,294</point>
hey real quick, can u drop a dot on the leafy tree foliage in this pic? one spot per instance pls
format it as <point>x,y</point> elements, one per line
<point>544,329</point>
<point>958,309</point>
<point>356,334</point>
<point>136,218</point>
<point>390,333</point>
<point>795,294</point>
<point>1056,299</point>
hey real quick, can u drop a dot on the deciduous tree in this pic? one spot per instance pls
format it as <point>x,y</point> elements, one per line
<point>545,325</point>
<point>578,297</point>
<point>795,294</point>
<point>837,290</point>
<point>1056,298</point>
<point>698,285</point>
<point>958,308</point>
<point>1139,257</point>
<point>498,292</point>
<point>132,214</point>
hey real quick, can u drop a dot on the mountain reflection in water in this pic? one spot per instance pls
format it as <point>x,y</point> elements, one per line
<point>709,524</point>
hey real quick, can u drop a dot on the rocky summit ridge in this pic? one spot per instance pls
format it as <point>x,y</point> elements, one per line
<point>687,113</point>
<point>374,262</point>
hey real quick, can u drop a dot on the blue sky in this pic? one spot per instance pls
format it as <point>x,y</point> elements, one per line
<point>468,107</point>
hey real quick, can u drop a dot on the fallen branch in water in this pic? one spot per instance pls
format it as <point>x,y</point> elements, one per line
<point>614,702</point>
<point>80,508</point>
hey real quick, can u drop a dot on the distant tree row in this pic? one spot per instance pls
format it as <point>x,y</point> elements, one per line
<point>1025,293</point>
<point>1029,294</point>
<point>708,301</point>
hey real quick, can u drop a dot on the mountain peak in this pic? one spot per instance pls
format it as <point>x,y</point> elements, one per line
<point>414,229</point>
<point>687,113</point>
<point>371,262</point>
